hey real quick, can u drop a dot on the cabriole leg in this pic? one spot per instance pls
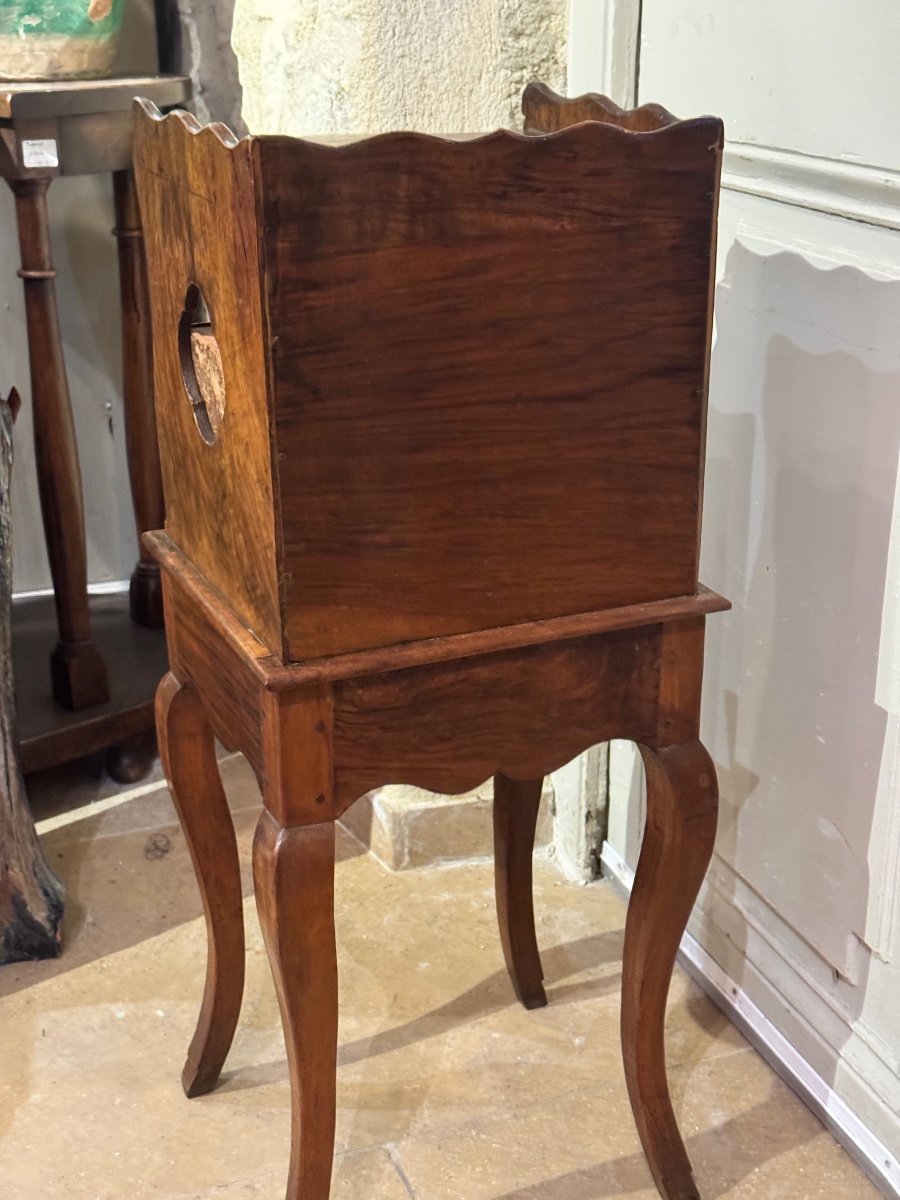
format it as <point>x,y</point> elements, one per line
<point>516,804</point>
<point>682,805</point>
<point>293,870</point>
<point>187,750</point>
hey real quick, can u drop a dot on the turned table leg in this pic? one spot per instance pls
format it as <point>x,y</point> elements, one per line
<point>137,389</point>
<point>77,668</point>
<point>516,805</point>
<point>682,805</point>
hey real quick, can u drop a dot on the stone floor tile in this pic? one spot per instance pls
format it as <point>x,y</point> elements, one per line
<point>444,1081</point>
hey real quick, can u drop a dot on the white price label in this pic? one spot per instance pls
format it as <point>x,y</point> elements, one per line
<point>39,152</point>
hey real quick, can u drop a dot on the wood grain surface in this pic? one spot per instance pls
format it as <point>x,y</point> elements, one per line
<point>220,667</point>
<point>197,201</point>
<point>488,366</point>
<point>213,609</point>
<point>486,375</point>
<point>545,111</point>
<point>293,870</point>
<point>449,726</point>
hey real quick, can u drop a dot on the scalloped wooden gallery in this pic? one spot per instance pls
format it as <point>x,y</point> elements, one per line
<point>431,419</point>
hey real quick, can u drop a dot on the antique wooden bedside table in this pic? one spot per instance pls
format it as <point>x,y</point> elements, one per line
<point>431,419</point>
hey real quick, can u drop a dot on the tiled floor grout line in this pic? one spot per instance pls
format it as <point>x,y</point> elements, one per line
<point>391,1149</point>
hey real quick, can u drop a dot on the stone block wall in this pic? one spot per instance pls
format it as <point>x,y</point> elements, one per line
<point>366,66</point>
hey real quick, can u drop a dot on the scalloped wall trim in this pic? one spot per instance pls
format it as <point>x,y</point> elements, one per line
<point>856,191</point>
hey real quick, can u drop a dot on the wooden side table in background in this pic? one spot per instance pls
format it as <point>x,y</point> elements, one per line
<point>78,128</point>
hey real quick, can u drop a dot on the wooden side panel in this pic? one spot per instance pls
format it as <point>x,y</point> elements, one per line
<point>488,367</point>
<point>222,671</point>
<point>521,713</point>
<point>197,200</point>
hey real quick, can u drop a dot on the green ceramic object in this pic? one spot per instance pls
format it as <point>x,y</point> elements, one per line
<point>58,39</point>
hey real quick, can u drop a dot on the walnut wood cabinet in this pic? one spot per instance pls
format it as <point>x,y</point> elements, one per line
<point>431,420</point>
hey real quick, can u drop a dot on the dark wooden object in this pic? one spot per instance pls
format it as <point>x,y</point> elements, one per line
<point>48,130</point>
<point>546,112</point>
<point>31,897</point>
<point>431,430</point>
<point>137,388</point>
<point>50,735</point>
<point>77,670</point>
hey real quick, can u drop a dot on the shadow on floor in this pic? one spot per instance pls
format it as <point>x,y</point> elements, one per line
<point>489,996</point>
<point>722,1157</point>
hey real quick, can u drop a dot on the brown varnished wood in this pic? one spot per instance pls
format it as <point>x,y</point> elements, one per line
<point>77,670</point>
<point>451,319</point>
<point>447,725</point>
<point>680,682</point>
<point>220,668</point>
<point>545,111</point>
<point>553,291</point>
<point>137,393</point>
<point>682,805</point>
<point>188,755</point>
<point>294,874</point>
<point>522,713</point>
<point>198,206</point>
<point>298,755</point>
<point>277,677</point>
<point>481,381</point>
<point>516,805</point>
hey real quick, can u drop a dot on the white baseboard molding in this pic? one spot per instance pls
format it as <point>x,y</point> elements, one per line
<point>882,1167</point>
<point>856,191</point>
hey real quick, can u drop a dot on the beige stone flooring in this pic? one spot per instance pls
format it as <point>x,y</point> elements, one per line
<point>448,1090</point>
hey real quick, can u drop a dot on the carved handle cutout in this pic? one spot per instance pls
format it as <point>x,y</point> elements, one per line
<point>201,364</point>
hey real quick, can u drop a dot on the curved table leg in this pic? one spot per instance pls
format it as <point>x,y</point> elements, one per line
<point>187,750</point>
<point>77,669</point>
<point>137,392</point>
<point>516,806</point>
<point>682,805</point>
<point>293,870</point>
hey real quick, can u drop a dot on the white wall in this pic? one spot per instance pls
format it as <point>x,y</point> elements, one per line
<point>817,77</point>
<point>801,525</point>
